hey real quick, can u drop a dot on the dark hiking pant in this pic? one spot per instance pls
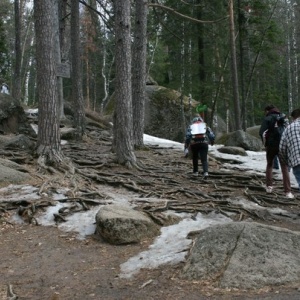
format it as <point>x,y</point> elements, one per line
<point>271,152</point>
<point>200,149</point>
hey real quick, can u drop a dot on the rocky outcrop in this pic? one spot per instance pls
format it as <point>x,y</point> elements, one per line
<point>244,255</point>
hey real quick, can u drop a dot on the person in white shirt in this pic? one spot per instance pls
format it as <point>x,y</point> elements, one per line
<point>4,89</point>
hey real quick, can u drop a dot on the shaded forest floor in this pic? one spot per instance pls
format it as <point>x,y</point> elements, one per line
<point>45,263</point>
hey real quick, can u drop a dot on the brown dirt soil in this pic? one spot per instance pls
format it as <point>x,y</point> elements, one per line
<point>42,263</point>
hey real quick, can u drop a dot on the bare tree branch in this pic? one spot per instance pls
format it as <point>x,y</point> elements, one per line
<point>185,16</point>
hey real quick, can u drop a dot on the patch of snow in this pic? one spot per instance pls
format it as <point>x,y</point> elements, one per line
<point>167,249</point>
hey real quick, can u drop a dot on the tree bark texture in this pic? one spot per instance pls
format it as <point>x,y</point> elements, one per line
<point>16,88</point>
<point>57,50</point>
<point>79,116</point>
<point>48,141</point>
<point>123,120</point>
<point>237,110</point>
<point>139,71</point>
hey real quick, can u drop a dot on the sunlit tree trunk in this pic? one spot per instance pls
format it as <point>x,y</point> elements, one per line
<point>123,127</point>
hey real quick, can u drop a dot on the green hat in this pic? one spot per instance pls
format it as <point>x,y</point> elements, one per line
<point>201,108</point>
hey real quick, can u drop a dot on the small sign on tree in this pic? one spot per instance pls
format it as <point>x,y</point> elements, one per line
<point>63,70</point>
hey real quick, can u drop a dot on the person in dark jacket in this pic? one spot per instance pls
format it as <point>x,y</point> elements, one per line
<point>272,150</point>
<point>197,143</point>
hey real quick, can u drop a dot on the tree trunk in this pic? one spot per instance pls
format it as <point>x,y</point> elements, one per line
<point>48,140</point>
<point>235,84</point>
<point>57,52</point>
<point>123,122</point>
<point>241,31</point>
<point>139,71</point>
<point>16,88</point>
<point>79,116</point>
<point>200,43</point>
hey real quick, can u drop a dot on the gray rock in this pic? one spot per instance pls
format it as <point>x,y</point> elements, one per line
<point>244,255</point>
<point>119,224</point>
<point>20,141</point>
<point>233,150</point>
<point>12,117</point>
<point>254,130</point>
<point>163,106</point>
<point>12,165</point>
<point>12,176</point>
<point>67,133</point>
<point>245,140</point>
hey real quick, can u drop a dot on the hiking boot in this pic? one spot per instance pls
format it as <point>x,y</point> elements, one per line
<point>269,189</point>
<point>195,174</point>
<point>205,174</point>
<point>289,195</point>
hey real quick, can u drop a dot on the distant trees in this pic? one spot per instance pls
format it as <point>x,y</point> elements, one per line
<point>4,57</point>
<point>183,45</point>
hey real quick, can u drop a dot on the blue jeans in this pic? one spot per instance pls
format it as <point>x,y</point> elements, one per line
<point>296,172</point>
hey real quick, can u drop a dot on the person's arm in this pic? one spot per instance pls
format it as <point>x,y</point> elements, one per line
<point>188,136</point>
<point>211,136</point>
<point>264,126</point>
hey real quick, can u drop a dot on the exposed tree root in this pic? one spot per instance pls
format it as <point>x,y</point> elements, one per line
<point>159,179</point>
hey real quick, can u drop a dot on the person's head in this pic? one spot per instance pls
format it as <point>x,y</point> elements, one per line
<point>197,118</point>
<point>295,113</point>
<point>268,108</point>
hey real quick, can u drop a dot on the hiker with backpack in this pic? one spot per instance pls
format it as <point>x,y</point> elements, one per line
<point>270,132</point>
<point>289,147</point>
<point>198,137</point>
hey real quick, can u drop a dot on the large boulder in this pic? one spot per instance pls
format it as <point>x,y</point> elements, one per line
<point>13,173</point>
<point>254,130</point>
<point>244,255</point>
<point>17,142</point>
<point>243,139</point>
<point>13,118</point>
<point>163,114</point>
<point>168,113</point>
<point>120,224</point>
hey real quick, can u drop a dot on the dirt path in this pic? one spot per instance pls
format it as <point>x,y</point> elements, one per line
<point>42,263</point>
<point>45,263</point>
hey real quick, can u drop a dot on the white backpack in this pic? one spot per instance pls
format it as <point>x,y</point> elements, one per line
<point>198,130</point>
